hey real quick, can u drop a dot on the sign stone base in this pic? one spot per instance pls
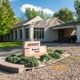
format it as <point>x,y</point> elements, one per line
<point>33,48</point>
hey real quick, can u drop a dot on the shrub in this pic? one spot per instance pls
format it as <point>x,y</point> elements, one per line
<point>49,50</point>
<point>20,55</point>
<point>51,54</point>
<point>56,55</point>
<point>59,51</point>
<point>12,59</point>
<point>45,57</point>
<point>23,60</point>
<point>29,61</point>
<point>32,62</point>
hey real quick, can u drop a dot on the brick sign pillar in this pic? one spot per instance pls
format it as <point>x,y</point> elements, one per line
<point>33,48</point>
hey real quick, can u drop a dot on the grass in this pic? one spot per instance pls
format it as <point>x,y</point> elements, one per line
<point>62,63</point>
<point>10,44</point>
<point>73,58</point>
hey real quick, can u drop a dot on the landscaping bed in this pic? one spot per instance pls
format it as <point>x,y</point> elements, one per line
<point>31,62</point>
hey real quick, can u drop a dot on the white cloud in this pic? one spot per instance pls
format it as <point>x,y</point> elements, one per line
<point>37,8</point>
<point>48,11</point>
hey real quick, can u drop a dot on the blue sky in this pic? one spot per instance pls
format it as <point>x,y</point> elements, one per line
<point>48,6</point>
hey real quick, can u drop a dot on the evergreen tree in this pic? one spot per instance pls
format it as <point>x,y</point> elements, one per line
<point>77,8</point>
<point>7,19</point>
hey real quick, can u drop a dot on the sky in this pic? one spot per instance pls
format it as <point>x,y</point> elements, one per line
<point>47,6</point>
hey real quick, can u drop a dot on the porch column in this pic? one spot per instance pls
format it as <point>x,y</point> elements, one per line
<point>23,33</point>
<point>18,34</point>
<point>78,33</point>
<point>31,34</point>
<point>14,35</point>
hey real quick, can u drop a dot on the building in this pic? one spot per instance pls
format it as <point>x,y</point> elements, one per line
<point>44,30</point>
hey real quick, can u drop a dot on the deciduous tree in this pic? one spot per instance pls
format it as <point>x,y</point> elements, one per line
<point>18,19</point>
<point>65,15</point>
<point>31,13</point>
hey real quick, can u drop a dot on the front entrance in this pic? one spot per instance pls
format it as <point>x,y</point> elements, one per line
<point>61,35</point>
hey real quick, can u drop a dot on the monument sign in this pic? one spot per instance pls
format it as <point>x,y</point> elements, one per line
<point>33,48</point>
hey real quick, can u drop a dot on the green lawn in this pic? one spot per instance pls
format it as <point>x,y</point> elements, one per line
<point>10,44</point>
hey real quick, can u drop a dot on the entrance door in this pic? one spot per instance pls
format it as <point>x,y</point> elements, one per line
<point>61,34</point>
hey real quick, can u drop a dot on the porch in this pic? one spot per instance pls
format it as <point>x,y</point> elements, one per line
<point>68,29</point>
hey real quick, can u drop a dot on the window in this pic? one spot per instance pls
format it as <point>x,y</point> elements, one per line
<point>20,34</point>
<point>27,33</point>
<point>38,33</point>
<point>11,35</point>
<point>15,34</point>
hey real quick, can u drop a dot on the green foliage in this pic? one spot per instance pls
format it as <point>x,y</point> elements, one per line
<point>49,50</point>
<point>29,61</point>
<point>23,60</point>
<point>55,55</point>
<point>65,15</point>
<point>73,58</point>
<point>32,62</point>
<point>20,55</point>
<point>12,59</point>
<point>45,57</point>
<point>18,19</point>
<point>59,51</point>
<point>31,13</point>
<point>6,18</point>
<point>10,44</point>
<point>77,8</point>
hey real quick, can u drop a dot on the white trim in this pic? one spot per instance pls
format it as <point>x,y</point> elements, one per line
<point>63,27</point>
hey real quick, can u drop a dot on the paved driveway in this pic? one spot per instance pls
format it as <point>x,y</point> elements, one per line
<point>9,51</point>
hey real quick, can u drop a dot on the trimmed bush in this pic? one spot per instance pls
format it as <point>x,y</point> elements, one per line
<point>59,51</point>
<point>20,55</point>
<point>49,50</point>
<point>23,60</point>
<point>29,61</point>
<point>32,62</point>
<point>56,55</point>
<point>45,57</point>
<point>12,59</point>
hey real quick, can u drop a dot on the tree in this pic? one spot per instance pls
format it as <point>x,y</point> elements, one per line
<point>31,13</point>
<point>65,15</point>
<point>18,19</point>
<point>77,8</point>
<point>7,19</point>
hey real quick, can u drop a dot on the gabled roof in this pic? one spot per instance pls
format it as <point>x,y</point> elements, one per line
<point>48,22</point>
<point>20,24</point>
<point>27,22</point>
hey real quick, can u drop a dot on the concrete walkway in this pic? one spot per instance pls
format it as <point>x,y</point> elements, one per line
<point>17,50</point>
